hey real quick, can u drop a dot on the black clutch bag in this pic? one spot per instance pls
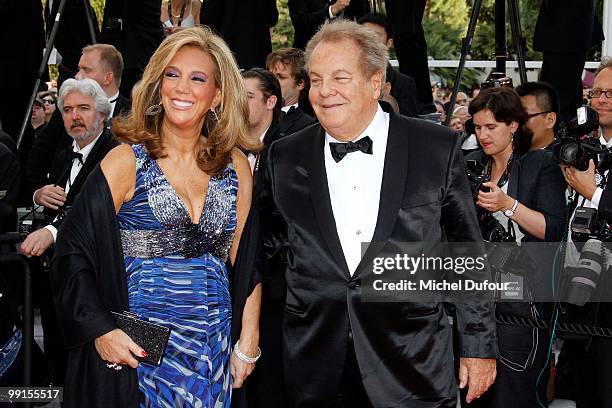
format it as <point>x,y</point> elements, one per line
<point>152,337</point>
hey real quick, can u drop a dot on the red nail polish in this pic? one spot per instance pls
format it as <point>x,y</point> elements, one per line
<point>144,353</point>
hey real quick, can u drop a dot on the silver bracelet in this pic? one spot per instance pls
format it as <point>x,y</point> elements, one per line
<point>244,357</point>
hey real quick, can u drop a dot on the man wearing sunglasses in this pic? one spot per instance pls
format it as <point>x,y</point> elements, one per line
<point>541,104</point>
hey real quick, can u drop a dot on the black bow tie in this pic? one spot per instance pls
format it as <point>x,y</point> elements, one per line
<point>74,155</point>
<point>339,150</point>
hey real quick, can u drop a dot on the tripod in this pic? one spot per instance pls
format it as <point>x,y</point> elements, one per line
<point>501,51</point>
<point>48,49</point>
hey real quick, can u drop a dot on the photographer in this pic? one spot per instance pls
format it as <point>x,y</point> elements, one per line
<point>590,359</point>
<point>525,190</point>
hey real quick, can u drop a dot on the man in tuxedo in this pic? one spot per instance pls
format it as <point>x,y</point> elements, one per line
<point>308,15</point>
<point>85,108</point>
<point>104,64</point>
<point>403,87</point>
<point>287,64</point>
<point>365,175</point>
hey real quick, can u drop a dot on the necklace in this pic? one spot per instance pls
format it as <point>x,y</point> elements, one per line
<point>180,16</point>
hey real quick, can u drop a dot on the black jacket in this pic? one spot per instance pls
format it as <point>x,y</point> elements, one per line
<point>403,89</point>
<point>244,25</point>
<point>294,120</point>
<point>62,163</point>
<point>536,181</point>
<point>308,15</point>
<point>425,196</point>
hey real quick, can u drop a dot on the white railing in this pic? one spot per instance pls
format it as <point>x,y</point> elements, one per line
<point>491,64</point>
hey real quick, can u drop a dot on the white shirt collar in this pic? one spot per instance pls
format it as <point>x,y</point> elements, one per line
<point>113,99</point>
<point>263,135</point>
<point>286,108</point>
<point>375,127</point>
<point>87,149</point>
<point>602,139</point>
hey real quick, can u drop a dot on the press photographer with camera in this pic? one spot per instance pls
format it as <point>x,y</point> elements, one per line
<point>521,201</point>
<point>590,358</point>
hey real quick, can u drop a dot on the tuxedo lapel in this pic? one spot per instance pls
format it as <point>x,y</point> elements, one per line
<point>321,202</point>
<point>392,188</point>
<point>95,156</point>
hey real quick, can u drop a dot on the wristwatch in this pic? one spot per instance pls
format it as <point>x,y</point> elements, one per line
<point>509,213</point>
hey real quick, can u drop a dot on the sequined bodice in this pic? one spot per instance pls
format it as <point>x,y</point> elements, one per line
<point>156,223</point>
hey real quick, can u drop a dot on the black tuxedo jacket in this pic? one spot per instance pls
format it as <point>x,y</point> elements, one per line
<point>50,142</point>
<point>60,169</point>
<point>294,120</point>
<point>244,25</point>
<point>404,90</point>
<point>308,15</point>
<point>404,350</point>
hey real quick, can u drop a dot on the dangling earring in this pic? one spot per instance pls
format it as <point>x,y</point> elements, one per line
<point>154,109</point>
<point>214,112</point>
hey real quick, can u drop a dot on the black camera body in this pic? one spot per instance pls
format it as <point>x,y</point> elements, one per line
<point>575,148</point>
<point>588,224</point>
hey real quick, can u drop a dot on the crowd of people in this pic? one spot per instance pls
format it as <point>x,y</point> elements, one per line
<point>241,205</point>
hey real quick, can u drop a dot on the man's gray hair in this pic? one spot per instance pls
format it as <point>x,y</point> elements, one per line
<point>374,54</point>
<point>87,87</point>
<point>606,62</point>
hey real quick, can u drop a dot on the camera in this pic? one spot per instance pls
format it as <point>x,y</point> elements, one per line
<point>490,227</point>
<point>584,278</point>
<point>575,147</point>
<point>113,25</point>
<point>497,80</point>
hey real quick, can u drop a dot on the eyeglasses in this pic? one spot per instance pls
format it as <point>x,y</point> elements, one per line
<point>596,93</point>
<point>533,115</point>
<point>49,101</point>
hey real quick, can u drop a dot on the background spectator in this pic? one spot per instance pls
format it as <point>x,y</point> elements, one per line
<point>178,14</point>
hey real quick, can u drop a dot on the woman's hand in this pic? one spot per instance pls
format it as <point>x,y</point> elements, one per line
<point>495,200</point>
<point>118,348</point>
<point>241,369</point>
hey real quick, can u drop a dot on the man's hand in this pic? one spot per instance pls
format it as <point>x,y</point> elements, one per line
<point>51,196</point>
<point>478,374</point>
<point>118,348</point>
<point>37,243</point>
<point>581,181</point>
<point>339,6</point>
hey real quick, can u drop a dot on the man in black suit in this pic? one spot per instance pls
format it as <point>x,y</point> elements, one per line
<point>287,64</point>
<point>403,87</point>
<point>398,180</point>
<point>308,15</point>
<point>85,108</point>
<point>100,62</point>
<point>244,25</point>
<point>564,32</point>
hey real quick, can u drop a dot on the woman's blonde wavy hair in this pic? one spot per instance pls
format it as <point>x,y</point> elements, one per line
<point>218,137</point>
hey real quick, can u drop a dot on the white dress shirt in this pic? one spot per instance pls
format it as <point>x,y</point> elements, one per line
<point>286,108</point>
<point>74,172</point>
<point>354,189</point>
<point>252,158</point>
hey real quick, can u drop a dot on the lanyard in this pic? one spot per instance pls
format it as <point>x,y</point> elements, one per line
<point>180,19</point>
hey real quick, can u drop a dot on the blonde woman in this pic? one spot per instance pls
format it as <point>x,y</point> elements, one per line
<point>181,191</point>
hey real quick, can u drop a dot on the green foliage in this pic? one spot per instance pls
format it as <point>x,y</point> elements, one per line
<point>283,32</point>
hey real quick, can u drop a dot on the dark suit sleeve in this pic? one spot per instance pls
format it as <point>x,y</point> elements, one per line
<point>270,13</point>
<point>42,153</point>
<point>405,92</point>
<point>475,316</point>
<point>303,19</point>
<point>605,205</point>
<point>550,199</point>
<point>9,187</point>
